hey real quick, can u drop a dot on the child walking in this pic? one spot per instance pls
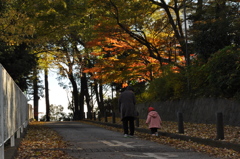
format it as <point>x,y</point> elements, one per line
<point>154,121</point>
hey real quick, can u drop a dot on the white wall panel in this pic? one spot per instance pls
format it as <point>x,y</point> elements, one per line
<point>14,110</point>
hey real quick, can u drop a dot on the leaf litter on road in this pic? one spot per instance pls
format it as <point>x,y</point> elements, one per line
<point>42,143</point>
<point>206,131</point>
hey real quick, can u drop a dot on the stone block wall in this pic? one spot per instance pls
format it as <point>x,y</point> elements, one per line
<point>202,110</point>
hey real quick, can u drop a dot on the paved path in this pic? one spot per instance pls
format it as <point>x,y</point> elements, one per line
<point>91,142</point>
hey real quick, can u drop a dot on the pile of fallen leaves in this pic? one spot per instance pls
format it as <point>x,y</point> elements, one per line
<point>41,142</point>
<point>206,131</point>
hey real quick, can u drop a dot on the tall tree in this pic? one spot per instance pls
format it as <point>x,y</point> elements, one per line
<point>68,71</point>
<point>45,63</point>
<point>141,35</point>
<point>174,11</point>
<point>35,93</point>
<point>142,25</point>
<point>47,95</point>
<point>214,27</point>
<point>19,63</point>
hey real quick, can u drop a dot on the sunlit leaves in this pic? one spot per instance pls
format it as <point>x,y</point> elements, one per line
<point>119,60</point>
<point>133,42</point>
<point>14,26</point>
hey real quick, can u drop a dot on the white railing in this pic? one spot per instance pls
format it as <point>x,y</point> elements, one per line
<point>15,113</point>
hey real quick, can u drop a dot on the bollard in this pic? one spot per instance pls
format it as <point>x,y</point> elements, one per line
<point>90,115</point>
<point>99,116</point>
<point>137,120</point>
<point>94,116</point>
<point>180,123</point>
<point>105,116</point>
<point>220,127</point>
<point>113,118</point>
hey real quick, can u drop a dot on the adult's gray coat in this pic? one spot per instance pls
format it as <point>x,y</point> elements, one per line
<point>127,103</point>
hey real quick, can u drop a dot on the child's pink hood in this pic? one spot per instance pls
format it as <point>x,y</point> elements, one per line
<point>153,114</point>
<point>154,120</point>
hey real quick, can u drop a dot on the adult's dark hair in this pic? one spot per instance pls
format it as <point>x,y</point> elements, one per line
<point>129,88</point>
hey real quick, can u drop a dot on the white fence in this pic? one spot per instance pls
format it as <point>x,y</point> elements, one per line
<point>15,113</point>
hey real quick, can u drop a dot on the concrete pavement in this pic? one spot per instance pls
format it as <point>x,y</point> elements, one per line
<point>91,142</point>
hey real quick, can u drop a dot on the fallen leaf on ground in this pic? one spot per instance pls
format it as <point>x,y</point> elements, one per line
<point>206,131</point>
<point>41,142</point>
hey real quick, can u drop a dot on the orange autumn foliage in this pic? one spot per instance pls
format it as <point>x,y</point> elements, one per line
<point>120,58</point>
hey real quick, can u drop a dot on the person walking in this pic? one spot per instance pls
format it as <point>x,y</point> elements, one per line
<point>127,110</point>
<point>154,121</point>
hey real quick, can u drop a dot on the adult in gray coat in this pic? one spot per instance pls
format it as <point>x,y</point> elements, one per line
<point>127,109</point>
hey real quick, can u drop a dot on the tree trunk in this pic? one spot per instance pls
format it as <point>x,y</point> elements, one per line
<point>47,95</point>
<point>35,95</point>
<point>199,9</point>
<point>86,92</point>
<point>176,25</point>
<point>81,99</point>
<point>101,98</point>
<point>95,87</point>
<point>76,115</point>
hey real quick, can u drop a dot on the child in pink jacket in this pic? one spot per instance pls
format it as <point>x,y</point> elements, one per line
<point>154,121</point>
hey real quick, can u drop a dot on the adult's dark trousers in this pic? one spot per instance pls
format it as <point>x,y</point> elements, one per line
<point>128,122</point>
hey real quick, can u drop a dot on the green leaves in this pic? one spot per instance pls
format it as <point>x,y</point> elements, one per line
<point>214,27</point>
<point>223,72</point>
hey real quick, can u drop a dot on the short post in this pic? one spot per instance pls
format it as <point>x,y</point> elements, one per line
<point>90,115</point>
<point>220,127</point>
<point>113,118</point>
<point>12,140</point>
<point>99,116</point>
<point>94,116</point>
<point>2,150</point>
<point>180,123</point>
<point>105,117</point>
<point>22,127</point>
<point>137,120</point>
<point>18,133</point>
<point>84,115</point>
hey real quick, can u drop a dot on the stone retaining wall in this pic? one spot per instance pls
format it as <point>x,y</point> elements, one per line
<point>198,111</point>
